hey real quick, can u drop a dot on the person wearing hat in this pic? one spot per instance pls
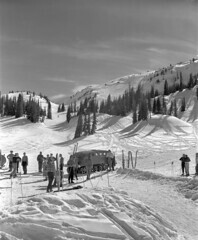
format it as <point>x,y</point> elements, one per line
<point>10,158</point>
<point>24,163</point>
<point>15,162</point>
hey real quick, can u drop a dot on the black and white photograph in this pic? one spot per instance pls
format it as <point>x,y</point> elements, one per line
<point>99,119</point>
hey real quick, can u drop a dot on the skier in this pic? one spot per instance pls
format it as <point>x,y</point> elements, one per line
<point>40,162</point>
<point>89,166</point>
<point>109,157</point>
<point>10,158</point>
<point>15,162</point>
<point>70,169</point>
<point>185,164</point>
<point>50,172</point>
<point>24,163</point>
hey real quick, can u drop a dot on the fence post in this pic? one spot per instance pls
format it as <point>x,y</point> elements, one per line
<point>128,158</point>
<point>136,159</point>
<point>123,161</point>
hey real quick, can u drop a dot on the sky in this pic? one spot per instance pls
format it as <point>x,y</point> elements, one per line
<point>58,47</point>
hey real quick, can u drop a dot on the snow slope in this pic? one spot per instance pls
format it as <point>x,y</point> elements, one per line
<point>149,203</point>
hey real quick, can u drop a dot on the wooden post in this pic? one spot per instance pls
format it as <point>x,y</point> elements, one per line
<point>135,159</point>
<point>128,158</point>
<point>123,161</point>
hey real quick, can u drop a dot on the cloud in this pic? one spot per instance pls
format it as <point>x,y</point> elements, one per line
<point>57,79</point>
<point>157,50</point>
<point>58,96</point>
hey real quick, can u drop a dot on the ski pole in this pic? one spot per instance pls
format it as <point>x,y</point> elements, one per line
<point>11,190</point>
<point>21,183</point>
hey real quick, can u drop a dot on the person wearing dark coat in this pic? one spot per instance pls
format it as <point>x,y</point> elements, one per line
<point>70,169</point>
<point>24,163</point>
<point>40,161</point>
<point>185,164</point>
<point>50,172</point>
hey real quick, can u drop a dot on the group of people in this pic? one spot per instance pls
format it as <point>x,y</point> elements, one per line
<point>46,165</point>
<point>14,160</point>
<point>185,164</point>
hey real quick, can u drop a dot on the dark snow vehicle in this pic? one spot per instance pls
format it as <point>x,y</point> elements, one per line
<point>98,158</point>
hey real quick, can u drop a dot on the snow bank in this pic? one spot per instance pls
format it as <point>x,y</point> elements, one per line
<point>99,214</point>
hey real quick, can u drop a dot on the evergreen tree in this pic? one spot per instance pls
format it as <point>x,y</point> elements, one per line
<point>102,107</point>
<point>158,106</point>
<point>59,108</point>
<point>152,92</point>
<point>49,110</point>
<point>154,106</point>
<point>89,124</point>
<point>175,107</point>
<point>181,86</point>
<point>108,104</point>
<point>68,114</point>
<point>94,123</point>
<point>183,105</point>
<point>197,93</point>
<point>143,110</point>
<point>171,108</point>
<point>156,93</point>
<point>79,127</point>
<point>164,108</point>
<point>134,117</point>
<point>191,82</point>
<point>63,107</point>
<point>86,125</point>
<point>166,88</point>
<point>19,106</point>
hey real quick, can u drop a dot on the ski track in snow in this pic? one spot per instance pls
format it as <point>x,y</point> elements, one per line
<point>105,208</point>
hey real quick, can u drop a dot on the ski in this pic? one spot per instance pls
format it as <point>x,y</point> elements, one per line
<point>58,171</point>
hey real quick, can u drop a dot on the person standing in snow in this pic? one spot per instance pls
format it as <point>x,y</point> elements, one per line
<point>10,158</point>
<point>50,172</point>
<point>24,163</point>
<point>185,164</point>
<point>15,161</point>
<point>70,169</point>
<point>45,160</point>
<point>109,157</point>
<point>40,162</point>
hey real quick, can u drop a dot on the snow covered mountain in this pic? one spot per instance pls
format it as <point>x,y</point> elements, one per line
<point>148,79</point>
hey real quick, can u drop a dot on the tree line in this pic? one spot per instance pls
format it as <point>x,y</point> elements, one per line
<point>18,107</point>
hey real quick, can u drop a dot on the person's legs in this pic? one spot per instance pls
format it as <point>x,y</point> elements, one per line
<point>183,167</point>
<point>50,180</point>
<point>187,168</point>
